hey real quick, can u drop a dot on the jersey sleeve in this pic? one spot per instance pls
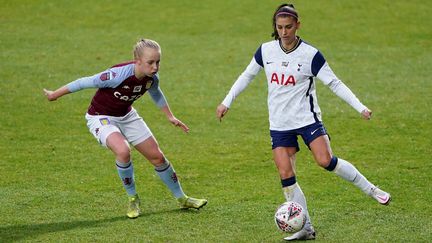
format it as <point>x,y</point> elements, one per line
<point>318,62</point>
<point>327,76</point>
<point>109,78</point>
<point>245,78</point>
<point>156,93</point>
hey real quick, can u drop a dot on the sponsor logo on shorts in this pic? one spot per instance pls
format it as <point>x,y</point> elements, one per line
<point>313,132</point>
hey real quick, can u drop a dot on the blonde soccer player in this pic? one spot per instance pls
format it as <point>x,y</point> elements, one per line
<point>116,124</point>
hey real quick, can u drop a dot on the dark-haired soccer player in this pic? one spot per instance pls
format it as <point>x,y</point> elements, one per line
<point>291,65</point>
<point>115,123</point>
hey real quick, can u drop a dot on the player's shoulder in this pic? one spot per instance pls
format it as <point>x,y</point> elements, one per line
<point>127,67</point>
<point>124,64</point>
<point>269,45</point>
<point>122,70</point>
<point>307,48</point>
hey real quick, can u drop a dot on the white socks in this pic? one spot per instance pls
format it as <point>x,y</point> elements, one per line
<point>347,171</point>
<point>294,193</point>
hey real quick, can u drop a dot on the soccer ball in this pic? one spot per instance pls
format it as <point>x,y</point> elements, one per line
<point>290,217</point>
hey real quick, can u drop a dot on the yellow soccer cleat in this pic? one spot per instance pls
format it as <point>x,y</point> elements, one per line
<point>190,202</point>
<point>133,207</point>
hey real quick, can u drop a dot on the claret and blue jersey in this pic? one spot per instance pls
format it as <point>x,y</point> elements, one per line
<point>118,88</point>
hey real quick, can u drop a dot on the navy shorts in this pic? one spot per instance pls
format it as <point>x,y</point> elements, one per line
<point>289,138</point>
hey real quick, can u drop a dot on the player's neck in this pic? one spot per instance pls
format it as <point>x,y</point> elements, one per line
<point>290,46</point>
<point>138,75</point>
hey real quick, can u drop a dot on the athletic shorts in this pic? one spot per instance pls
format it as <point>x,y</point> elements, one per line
<point>289,138</point>
<point>131,126</point>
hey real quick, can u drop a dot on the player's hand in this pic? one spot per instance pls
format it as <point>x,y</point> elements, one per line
<point>176,122</point>
<point>221,110</point>
<point>50,95</point>
<point>367,114</point>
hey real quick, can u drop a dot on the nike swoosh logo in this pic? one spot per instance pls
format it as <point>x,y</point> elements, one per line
<point>383,198</point>
<point>269,62</point>
<point>312,133</point>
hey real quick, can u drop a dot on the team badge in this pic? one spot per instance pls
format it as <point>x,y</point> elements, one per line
<point>104,121</point>
<point>299,66</point>
<point>137,88</point>
<point>107,76</point>
<point>174,177</point>
<point>127,181</point>
<point>149,84</point>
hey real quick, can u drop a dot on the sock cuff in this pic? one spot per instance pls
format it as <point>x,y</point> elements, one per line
<point>288,182</point>
<point>121,165</point>
<point>332,164</point>
<point>163,167</point>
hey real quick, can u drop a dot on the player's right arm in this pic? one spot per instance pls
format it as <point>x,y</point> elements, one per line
<point>240,84</point>
<point>54,95</point>
<point>110,78</point>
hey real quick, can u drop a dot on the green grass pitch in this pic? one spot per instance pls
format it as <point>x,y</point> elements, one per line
<point>58,184</point>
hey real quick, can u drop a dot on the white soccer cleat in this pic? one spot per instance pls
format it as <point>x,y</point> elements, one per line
<point>381,196</point>
<point>304,234</point>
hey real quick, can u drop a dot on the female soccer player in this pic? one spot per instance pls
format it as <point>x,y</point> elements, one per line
<point>115,123</point>
<point>290,65</point>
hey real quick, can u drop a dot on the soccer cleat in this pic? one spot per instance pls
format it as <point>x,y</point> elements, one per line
<point>190,202</point>
<point>304,234</point>
<point>381,196</point>
<point>133,207</point>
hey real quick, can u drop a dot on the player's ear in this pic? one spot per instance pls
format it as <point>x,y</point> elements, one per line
<point>298,24</point>
<point>138,61</point>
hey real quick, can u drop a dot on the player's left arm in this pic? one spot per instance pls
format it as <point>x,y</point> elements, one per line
<point>322,71</point>
<point>159,99</point>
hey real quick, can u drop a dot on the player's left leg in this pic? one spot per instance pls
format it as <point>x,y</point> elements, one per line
<point>323,155</point>
<point>150,149</point>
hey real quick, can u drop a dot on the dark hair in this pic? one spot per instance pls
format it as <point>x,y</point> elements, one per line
<point>283,10</point>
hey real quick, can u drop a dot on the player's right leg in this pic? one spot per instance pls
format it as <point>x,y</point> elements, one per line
<point>109,135</point>
<point>284,158</point>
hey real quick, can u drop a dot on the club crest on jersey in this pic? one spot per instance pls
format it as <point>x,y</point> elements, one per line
<point>283,80</point>
<point>104,121</point>
<point>299,66</point>
<point>137,88</point>
<point>149,84</point>
<point>107,76</point>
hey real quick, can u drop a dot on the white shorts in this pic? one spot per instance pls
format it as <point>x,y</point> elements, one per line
<point>131,126</point>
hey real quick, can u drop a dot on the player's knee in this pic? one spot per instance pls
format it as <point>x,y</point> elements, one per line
<point>286,172</point>
<point>123,154</point>
<point>157,159</point>
<point>324,160</point>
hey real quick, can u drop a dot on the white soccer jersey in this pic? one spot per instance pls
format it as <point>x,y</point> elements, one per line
<point>292,99</point>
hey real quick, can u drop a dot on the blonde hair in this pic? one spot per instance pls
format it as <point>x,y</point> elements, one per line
<point>143,43</point>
